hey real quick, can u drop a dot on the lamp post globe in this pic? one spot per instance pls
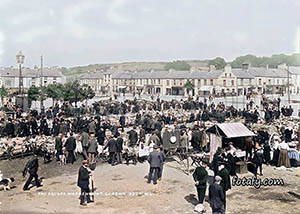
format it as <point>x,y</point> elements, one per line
<point>20,60</point>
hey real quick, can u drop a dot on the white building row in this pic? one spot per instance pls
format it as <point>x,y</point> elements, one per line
<point>9,77</point>
<point>216,82</point>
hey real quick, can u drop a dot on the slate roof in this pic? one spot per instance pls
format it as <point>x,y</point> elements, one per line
<point>264,72</point>
<point>93,75</point>
<point>243,74</point>
<point>163,74</point>
<point>295,70</point>
<point>13,72</point>
<point>250,73</point>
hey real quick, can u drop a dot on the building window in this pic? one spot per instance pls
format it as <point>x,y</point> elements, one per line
<point>205,82</point>
<point>159,81</point>
<point>224,82</point>
<point>211,82</point>
<point>232,82</point>
<point>225,74</point>
<point>168,82</point>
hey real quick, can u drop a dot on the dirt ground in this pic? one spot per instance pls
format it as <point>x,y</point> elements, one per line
<point>123,189</point>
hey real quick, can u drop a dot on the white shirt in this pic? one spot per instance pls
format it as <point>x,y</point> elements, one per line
<point>284,145</point>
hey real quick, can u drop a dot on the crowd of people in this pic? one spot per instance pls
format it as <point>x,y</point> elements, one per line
<point>120,127</point>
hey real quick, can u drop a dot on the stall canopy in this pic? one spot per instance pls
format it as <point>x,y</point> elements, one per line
<point>230,130</point>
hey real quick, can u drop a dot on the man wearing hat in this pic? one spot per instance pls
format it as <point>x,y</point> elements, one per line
<point>200,177</point>
<point>83,182</point>
<point>32,166</point>
<point>163,156</point>
<point>155,160</point>
<point>258,160</point>
<point>216,197</point>
<point>225,183</point>
<point>112,146</point>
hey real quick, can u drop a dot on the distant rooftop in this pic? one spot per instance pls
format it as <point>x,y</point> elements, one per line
<point>26,72</point>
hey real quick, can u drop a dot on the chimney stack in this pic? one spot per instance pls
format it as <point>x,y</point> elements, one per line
<point>227,68</point>
<point>245,66</point>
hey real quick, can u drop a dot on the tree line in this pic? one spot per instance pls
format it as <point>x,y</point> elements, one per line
<point>71,92</point>
<point>255,61</point>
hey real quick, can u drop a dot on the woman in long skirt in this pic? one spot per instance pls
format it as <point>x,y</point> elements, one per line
<point>284,159</point>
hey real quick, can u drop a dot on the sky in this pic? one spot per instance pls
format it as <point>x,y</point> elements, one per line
<point>81,32</point>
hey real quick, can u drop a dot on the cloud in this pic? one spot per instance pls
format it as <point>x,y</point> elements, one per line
<point>95,31</point>
<point>3,2</point>
<point>239,36</point>
<point>29,36</point>
<point>297,41</point>
<point>2,38</point>
<point>114,12</point>
<point>20,19</point>
<point>71,17</point>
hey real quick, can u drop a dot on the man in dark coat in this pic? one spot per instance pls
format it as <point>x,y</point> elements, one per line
<point>216,197</point>
<point>58,146</point>
<point>23,128</point>
<point>70,147</point>
<point>119,149</point>
<point>197,140</point>
<point>200,177</point>
<point>33,126</point>
<point>155,161</point>
<point>112,149</point>
<point>229,162</point>
<point>56,127</point>
<point>249,147</point>
<point>133,137</point>
<point>10,128</point>
<point>32,167</point>
<point>225,183</point>
<point>142,132</point>
<point>114,130</point>
<point>83,183</point>
<point>100,136</point>
<point>258,160</point>
<point>163,156</point>
<point>122,121</point>
<point>216,160</point>
<point>267,153</point>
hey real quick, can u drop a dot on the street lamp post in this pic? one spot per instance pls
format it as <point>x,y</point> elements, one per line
<point>41,83</point>
<point>288,74</point>
<point>41,79</point>
<point>20,60</point>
